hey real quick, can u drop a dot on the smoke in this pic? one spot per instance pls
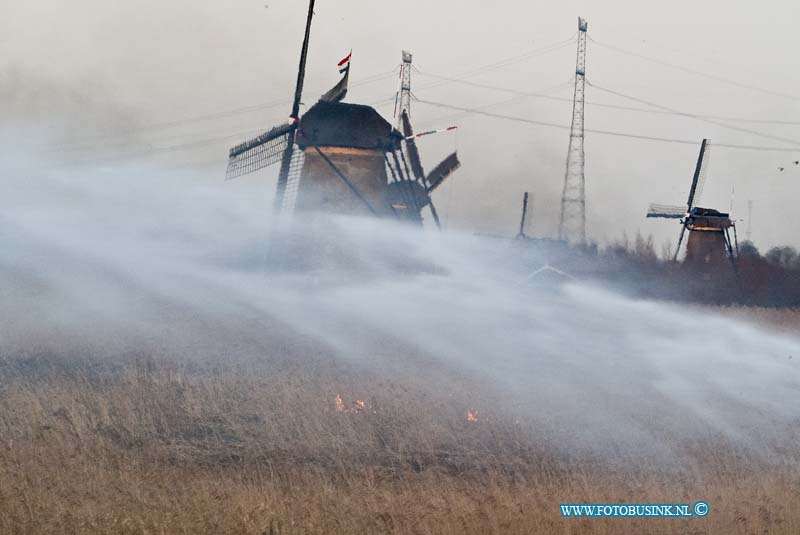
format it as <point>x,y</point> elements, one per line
<point>117,260</point>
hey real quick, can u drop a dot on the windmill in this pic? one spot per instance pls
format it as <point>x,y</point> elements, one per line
<point>355,162</point>
<point>709,230</point>
<point>338,157</point>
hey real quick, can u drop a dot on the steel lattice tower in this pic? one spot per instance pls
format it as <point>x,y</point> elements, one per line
<point>572,225</point>
<point>404,96</point>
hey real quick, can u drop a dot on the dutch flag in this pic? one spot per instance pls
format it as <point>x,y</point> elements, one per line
<point>344,65</point>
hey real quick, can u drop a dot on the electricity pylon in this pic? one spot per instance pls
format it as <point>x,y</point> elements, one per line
<point>572,225</point>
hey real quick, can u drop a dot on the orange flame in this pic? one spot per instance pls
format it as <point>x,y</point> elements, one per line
<point>358,405</point>
<point>472,415</point>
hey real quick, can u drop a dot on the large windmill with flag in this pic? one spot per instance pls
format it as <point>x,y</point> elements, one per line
<point>341,157</point>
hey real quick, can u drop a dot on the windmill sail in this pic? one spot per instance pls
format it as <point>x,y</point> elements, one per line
<point>700,172</point>
<point>286,159</point>
<point>276,145</point>
<point>666,211</point>
<point>439,174</point>
<point>260,152</point>
<point>293,180</point>
<point>442,171</point>
<point>411,147</point>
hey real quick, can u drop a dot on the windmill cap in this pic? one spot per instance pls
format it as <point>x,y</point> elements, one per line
<point>707,212</point>
<point>339,124</point>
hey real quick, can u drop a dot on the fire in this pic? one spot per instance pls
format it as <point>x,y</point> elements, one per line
<point>358,405</point>
<point>472,415</point>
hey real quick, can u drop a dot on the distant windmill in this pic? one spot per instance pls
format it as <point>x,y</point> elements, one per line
<point>709,229</point>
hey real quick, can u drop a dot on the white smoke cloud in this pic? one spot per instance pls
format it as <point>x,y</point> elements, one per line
<point>125,259</point>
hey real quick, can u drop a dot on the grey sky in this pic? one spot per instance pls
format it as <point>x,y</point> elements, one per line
<point>138,63</point>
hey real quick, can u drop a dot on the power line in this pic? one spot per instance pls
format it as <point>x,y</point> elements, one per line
<point>604,105</point>
<point>477,111</point>
<point>505,62</point>
<point>519,94</point>
<point>278,102</point>
<point>206,117</point>
<point>513,99</point>
<point>698,117</point>
<point>189,145</point>
<point>536,52</point>
<point>695,72</point>
<point>463,111</point>
<point>86,142</point>
<point>368,80</point>
<point>170,148</point>
<point>272,104</point>
<point>496,88</point>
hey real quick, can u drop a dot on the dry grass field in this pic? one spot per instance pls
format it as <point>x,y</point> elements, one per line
<point>150,445</point>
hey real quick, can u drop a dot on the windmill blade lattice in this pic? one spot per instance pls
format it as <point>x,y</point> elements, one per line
<point>448,166</point>
<point>666,211</point>
<point>260,152</point>
<point>293,180</point>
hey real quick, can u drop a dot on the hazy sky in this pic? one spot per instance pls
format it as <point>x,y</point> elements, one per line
<point>89,65</point>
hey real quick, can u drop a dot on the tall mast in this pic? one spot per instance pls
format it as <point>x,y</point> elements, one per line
<point>286,160</point>
<point>572,225</point>
<point>521,233</point>
<point>404,96</point>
